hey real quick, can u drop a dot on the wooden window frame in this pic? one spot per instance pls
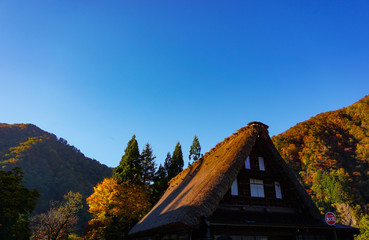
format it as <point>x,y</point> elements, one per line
<point>257,188</point>
<point>278,190</point>
<point>248,163</point>
<point>234,188</point>
<point>261,163</point>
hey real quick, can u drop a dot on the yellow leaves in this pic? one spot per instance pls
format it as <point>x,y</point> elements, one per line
<point>124,201</point>
<point>17,152</point>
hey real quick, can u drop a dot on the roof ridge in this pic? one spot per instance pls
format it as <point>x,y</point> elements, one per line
<point>226,140</point>
<point>253,124</point>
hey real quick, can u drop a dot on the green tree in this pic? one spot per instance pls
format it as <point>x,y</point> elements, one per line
<point>176,165</point>
<point>195,150</point>
<point>16,203</point>
<point>129,168</point>
<point>147,165</point>
<point>161,179</point>
<point>167,163</point>
<point>58,222</point>
<point>160,184</point>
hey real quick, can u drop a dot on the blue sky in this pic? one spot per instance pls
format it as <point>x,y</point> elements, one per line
<point>97,72</point>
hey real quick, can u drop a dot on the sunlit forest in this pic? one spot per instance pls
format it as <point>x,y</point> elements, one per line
<point>50,190</point>
<point>330,155</point>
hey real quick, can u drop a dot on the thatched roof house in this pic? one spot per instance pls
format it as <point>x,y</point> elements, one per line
<point>241,184</point>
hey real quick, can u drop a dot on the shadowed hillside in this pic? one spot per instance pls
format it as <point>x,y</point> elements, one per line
<point>49,164</point>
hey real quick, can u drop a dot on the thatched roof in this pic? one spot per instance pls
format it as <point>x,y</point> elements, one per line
<point>196,192</point>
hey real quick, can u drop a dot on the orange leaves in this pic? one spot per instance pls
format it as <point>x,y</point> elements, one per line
<point>125,202</point>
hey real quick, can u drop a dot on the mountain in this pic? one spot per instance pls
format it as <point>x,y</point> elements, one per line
<point>50,164</point>
<point>330,154</point>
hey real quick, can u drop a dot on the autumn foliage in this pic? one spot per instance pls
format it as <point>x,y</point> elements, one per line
<point>330,154</point>
<point>115,208</point>
<point>59,221</point>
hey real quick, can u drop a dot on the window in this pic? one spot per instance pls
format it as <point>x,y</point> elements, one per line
<point>278,191</point>
<point>261,163</point>
<point>257,188</point>
<point>234,188</point>
<point>255,238</point>
<point>247,163</point>
<point>255,162</point>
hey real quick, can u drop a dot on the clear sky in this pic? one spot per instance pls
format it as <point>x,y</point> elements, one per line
<point>97,72</point>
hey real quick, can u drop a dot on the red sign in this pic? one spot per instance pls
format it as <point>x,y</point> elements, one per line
<point>330,218</point>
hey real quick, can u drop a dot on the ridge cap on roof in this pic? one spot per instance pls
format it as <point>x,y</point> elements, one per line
<point>254,124</point>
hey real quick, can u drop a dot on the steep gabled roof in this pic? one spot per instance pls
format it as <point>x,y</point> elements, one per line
<point>196,192</point>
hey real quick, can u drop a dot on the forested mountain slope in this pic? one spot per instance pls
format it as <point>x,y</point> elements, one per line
<point>330,154</point>
<point>49,164</point>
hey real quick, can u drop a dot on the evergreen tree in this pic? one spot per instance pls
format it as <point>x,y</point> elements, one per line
<point>16,204</point>
<point>161,179</point>
<point>160,184</point>
<point>129,168</point>
<point>195,150</point>
<point>167,163</point>
<point>176,165</point>
<point>147,165</point>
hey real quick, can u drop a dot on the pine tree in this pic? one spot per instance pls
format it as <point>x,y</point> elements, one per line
<point>176,165</point>
<point>129,168</point>
<point>147,165</point>
<point>160,184</point>
<point>195,150</point>
<point>167,163</point>
<point>161,179</point>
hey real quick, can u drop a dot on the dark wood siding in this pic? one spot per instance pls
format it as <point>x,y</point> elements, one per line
<point>272,173</point>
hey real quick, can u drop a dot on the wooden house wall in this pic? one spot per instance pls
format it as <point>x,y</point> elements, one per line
<point>271,233</point>
<point>272,173</point>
